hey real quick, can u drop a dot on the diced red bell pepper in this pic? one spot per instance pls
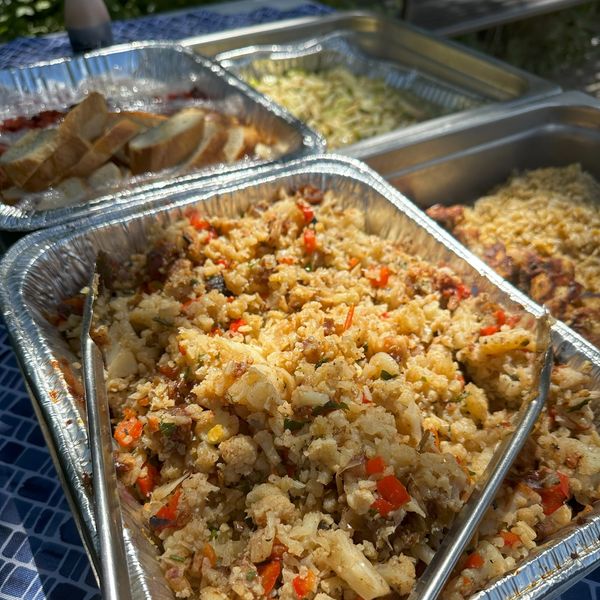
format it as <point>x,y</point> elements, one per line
<point>382,506</point>
<point>147,482</point>
<point>382,277</point>
<point>235,325</point>
<point>304,585</point>
<point>269,574</point>
<point>392,490</point>
<point>307,212</point>
<point>510,539</point>
<point>554,496</point>
<point>167,515</point>
<point>489,330</point>
<point>128,431</point>
<point>375,465</point>
<point>197,221</point>
<point>500,317</point>
<point>474,561</point>
<point>310,240</point>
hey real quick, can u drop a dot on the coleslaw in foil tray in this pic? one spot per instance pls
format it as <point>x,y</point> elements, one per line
<point>302,406</point>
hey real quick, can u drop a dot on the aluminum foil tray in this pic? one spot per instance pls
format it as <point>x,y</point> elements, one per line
<point>130,75</point>
<point>460,79</point>
<point>339,49</point>
<point>462,165</point>
<point>49,265</point>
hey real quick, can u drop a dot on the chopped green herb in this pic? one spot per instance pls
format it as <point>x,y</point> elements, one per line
<point>314,221</point>
<point>194,281</point>
<point>472,473</point>
<point>525,343</point>
<point>177,558</point>
<point>164,322</point>
<point>373,512</point>
<point>424,379</point>
<point>321,362</point>
<point>308,268</point>
<point>365,348</point>
<point>462,396</point>
<point>293,425</point>
<point>200,361</point>
<point>578,406</point>
<point>187,374</point>
<point>214,532</point>
<point>251,575</point>
<point>385,375</point>
<point>167,428</point>
<point>328,407</point>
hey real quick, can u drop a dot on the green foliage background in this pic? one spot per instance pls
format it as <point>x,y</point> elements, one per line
<point>543,45</point>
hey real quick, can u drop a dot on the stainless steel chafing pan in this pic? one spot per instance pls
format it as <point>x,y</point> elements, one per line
<point>53,264</point>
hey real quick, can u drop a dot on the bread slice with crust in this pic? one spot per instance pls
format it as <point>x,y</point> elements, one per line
<point>210,146</point>
<point>69,149</point>
<point>104,147</point>
<point>167,144</point>
<point>240,141</point>
<point>145,120</point>
<point>22,159</point>
<point>88,119</point>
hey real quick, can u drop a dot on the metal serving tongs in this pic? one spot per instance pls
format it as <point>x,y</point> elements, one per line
<point>113,559</point>
<point>464,526</point>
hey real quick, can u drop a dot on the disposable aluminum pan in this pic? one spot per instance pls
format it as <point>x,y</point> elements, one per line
<point>457,80</point>
<point>462,165</point>
<point>132,75</point>
<point>47,266</point>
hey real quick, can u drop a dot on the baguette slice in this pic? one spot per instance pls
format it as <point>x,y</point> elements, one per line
<point>26,155</point>
<point>104,147</point>
<point>105,176</point>
<point>240,141</point>
<point>69,150</point>
<point>210,147</point>
<point>168,144</point>
<point>88,119</point>
<point>145,120</point>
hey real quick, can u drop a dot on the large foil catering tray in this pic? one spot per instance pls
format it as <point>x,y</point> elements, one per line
<point>49,265</point>
<point>464,164</point>
<point>132,75</point>
<point>459,81</point>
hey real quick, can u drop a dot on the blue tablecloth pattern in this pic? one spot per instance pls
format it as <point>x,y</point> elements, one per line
<point>41,554</point>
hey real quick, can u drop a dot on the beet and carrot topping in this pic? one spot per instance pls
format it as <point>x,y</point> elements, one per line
<point>349,317</point>
<point>168,371</point>
<point>223,262</point>
<point>474,561</point>
<point>380,277</point>
<point>307,212</point>
<point>128,431</point>
<point>235,325</point>
<point>304,585</point>
<point>510,539</point>
<point>146,483</point>
<point>353,262</point>
<point>269,574</point>
<point>501,319</point>
<point>209,552</point>
<point>286,260</point>
<point>392,490</point>
<point>310,240</point>
<point>375,465</point>
<point>167,515</point>
<point>365,399</point>
<point>489,330</point>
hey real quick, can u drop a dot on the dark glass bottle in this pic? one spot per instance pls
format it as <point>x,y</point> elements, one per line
<point>88,24</point>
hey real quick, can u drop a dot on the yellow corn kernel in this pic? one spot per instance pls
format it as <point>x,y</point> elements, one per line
<point>215,435</point>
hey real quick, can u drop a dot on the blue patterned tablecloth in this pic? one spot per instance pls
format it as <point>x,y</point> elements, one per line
<point>41,555</point>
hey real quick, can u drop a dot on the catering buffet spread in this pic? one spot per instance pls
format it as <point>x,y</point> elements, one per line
<point>307,375</point>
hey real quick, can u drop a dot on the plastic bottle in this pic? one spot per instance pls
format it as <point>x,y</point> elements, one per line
<point>88,24</point>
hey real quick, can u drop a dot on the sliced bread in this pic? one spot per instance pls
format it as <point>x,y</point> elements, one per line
<point>104,147</point>
<point>167,144</point>
<point>210,146</point>
<point>105,176</point>
<point>143,119</point>
<point>69,149</point>
<point>88,119</point>
<point>240,141</point>
<point>24,157</point>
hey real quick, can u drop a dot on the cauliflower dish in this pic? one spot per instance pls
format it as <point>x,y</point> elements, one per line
<point>302,407</point>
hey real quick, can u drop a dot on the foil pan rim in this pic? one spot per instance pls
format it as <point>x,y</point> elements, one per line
<point>16,312</point>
